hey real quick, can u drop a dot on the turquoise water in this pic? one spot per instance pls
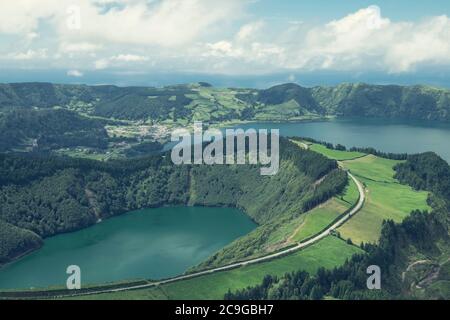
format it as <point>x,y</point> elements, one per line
<point>151,243</point>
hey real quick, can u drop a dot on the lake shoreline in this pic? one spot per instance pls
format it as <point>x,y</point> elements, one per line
<point>21,256</point>
<point>141,244</point>
<point>107,218</point>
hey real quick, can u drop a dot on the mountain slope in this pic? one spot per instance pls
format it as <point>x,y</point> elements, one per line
<point>49,129</point>
<point>187,103</point>
<point>415,102</point>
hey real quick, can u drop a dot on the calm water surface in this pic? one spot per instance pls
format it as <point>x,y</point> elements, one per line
<point>384,135</point>
<point>151,243</point>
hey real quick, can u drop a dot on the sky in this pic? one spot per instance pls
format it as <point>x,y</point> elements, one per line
<point>228,43</point>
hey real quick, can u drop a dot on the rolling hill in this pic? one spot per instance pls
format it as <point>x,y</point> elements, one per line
<point>186,103</point>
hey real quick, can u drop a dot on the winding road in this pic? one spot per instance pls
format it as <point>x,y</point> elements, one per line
<point>278,254</point>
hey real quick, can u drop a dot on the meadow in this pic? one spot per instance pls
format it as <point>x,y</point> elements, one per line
<point>314,221</point>
<point>335,154</point>
<point>328,253</point>
<point>386,198</point>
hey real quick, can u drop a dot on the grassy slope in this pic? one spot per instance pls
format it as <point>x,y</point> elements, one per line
<point>351,193</point>
<point>319,218</point>
<point>312,222</point>
<point>335,154</point>
<point>385,197</point>
<point>328,253</point>
<point>374,168</point>
<point>209,104</point>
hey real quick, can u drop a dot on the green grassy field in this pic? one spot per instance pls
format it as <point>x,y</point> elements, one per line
<point>373,168</point>
<point>335,154</point>
<point>319,218</point>
<point>212,103</point>
<point>328,253</point>
<point>350,194</point>
<point>385,198</point>
<point>316,220</point>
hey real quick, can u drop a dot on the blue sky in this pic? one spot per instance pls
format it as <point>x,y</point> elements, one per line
<point>325,10</point>
<point>233,42</point>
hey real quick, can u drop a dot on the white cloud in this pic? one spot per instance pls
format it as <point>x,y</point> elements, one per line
<point>364,40</point>
<point>197,35</point>
<point>428,42</point>
<point>142,22</point>
<point>23,16</point>
<point>79,47</point>
<point>32,36</point>
<point>28,55</point>
<point>119,60</point>
<point>345,42</point>
<point>222,49</point>
<point>247,31</point>
<point>101,64</point>
<point>75,73</point>
<point>129,58</point>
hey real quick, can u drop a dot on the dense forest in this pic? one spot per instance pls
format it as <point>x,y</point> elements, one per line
<point>47,129</point>
<point>186,102</point>
<point>44,195</point>
<point>359,99</point>
<point>132,103</point>
<point>421,235</point>
<point>391,101</point>
<point>426,171</point>
<point>15,241</point>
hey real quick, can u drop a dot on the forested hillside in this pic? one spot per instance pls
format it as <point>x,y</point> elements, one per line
<point>47,129</point>
<point>15,241</point>
<point>355,100</point>
<point>392,101</point>
<point>132,103</point>
<point>48,195</point>
<point>186,103</point>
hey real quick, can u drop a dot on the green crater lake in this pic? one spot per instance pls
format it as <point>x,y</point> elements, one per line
<point>151,244</point>
<point>165,242</point>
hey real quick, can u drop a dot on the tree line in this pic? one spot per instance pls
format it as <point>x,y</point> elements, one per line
<point>368,150</point>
